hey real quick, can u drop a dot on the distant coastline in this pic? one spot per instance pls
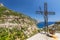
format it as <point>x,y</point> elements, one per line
<point>41,24</point>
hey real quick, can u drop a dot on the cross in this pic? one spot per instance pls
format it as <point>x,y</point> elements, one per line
<point>45,13</point>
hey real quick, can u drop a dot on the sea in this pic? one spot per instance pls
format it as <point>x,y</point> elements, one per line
<point>41,24</point>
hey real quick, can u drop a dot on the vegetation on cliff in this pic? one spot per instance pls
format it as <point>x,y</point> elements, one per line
<point>15,25</point>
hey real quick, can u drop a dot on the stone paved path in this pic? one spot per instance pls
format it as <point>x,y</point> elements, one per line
<point>40,36</point>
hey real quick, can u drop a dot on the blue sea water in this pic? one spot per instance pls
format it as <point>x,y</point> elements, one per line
<point>41,24</point>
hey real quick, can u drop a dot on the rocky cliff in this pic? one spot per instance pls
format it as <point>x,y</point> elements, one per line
<point>15,25</point>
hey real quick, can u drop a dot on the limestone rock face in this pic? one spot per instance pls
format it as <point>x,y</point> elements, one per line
<point>22,26</point>
<point>1,5</point>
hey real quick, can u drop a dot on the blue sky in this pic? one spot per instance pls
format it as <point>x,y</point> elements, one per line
<point>28,7</point>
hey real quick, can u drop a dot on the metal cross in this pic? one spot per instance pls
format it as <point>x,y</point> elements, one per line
<point>45,13</point>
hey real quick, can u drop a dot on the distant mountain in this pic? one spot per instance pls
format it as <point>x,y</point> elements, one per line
<point>15,25</point>
<point>57,26</point>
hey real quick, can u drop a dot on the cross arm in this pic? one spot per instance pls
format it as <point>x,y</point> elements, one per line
<point>39,12</point>
<point>51,13</point>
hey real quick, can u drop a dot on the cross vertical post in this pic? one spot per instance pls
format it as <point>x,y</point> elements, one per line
<point>46,16</point>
